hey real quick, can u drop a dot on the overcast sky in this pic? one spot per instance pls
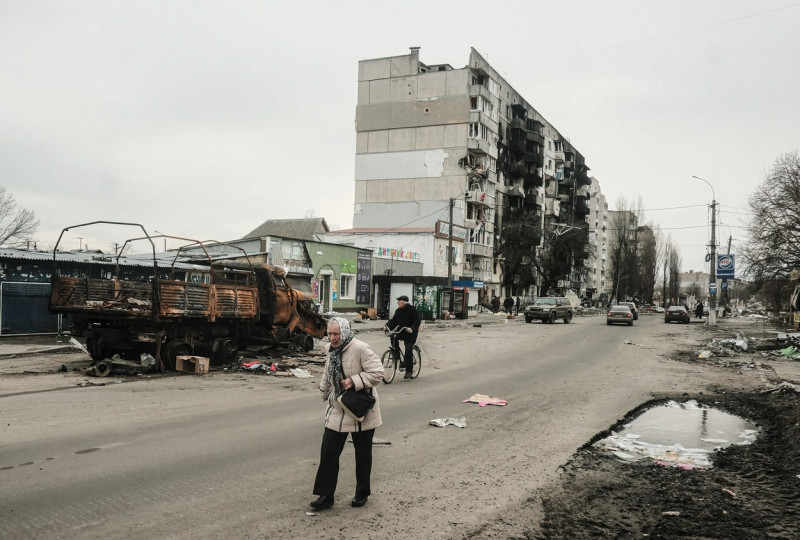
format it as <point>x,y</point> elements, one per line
<point>202,119</point>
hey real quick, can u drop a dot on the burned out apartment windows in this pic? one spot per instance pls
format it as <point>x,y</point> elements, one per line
<point>478,131</point>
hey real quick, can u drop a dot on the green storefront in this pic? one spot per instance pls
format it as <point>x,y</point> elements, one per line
<point>342,276</point>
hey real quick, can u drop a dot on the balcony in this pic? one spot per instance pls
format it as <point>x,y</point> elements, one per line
<point>477,196</point>
<point>480,90</point>
<point>559,157</point>
<point>515,191</point>
<point>519,123</point>
<point>517,146</point>
<point>479,146</point>
<point>477,250</point>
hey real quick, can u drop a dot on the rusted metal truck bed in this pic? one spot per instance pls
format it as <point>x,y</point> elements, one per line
<point>162,299</point>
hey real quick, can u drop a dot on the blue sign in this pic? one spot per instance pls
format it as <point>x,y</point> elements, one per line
<point>725,266</point>
<point>712,289</point>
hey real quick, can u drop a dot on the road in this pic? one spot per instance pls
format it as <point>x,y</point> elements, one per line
<point>235,454</point>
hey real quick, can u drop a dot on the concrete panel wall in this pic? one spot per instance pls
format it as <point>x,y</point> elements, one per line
<point>432,84</point>
<point>455,135</point>
<point>404,88</point>
<point>410,190</point>
<point>362,145</point>
<point>408,213</point>
<point>440,189</point>
<point>415,164</point>
<point>378,141</point>
<point>376,190</point>
<point>402,139</point>
<point>430,137</point>
<point>363,92</point>
<point>379,68</point>
<point>406,114</point>
<point>403,66</point>
<point>379,91</point>
<point>458,81</point>
<point>401,190</point>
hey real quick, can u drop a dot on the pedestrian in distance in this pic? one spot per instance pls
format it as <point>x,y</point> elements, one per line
<point>508,304</point>
<point>350,364</point>
<point>495,304</point>
<point>405,316</point>
<point>516,311</point>
<point>698,310</point>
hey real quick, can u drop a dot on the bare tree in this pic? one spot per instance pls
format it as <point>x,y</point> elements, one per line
<point>772,248</point>
<point>623,250</point>
<point>674,269</point>
<point>17,226</point>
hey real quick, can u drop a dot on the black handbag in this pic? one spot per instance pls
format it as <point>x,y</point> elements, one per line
<point>357,403</point>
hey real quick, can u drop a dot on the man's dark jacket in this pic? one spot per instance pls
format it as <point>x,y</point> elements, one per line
<point>405,316</point>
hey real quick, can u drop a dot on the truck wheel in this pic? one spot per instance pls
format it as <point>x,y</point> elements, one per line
<point>224,351</point>
<point>172,350</point>
<point>568,317</point>
<point>528,319</point>
<point>552,317</point>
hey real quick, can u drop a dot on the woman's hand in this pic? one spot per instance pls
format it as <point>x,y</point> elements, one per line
<point>347,383</point>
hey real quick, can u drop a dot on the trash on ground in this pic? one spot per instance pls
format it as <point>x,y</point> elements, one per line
<point>484,400</point>
<point>792,352</point>
<point>442,422</point>
<point>300,373</point>
<point>118,366</point>
<point>78,345</point>
<point>704,354</point>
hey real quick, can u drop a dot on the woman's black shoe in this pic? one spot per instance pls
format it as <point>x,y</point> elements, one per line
<point>358,502</point>
<point>322,502</point>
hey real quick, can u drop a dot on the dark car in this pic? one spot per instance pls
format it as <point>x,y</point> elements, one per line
<point>632,307</point>
<point>549,308</point>
<point>619,314</point>
<point>676,314</point>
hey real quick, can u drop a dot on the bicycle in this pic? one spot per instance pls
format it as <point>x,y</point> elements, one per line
<point>393,356</point>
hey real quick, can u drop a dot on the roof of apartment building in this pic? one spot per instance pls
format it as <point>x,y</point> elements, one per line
<point>300,229</point>
<point>384,230</point>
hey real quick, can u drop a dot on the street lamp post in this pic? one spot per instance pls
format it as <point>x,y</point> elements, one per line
<point>712,308</point>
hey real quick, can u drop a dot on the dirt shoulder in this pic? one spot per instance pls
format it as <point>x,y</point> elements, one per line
<point>751,492</point>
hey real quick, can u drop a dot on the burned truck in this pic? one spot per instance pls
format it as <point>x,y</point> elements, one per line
<point>175,308</point>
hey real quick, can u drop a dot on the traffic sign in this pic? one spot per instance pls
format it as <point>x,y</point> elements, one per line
<point>712,289</point>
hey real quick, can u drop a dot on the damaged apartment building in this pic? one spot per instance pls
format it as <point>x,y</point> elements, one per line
<point>438,146</point>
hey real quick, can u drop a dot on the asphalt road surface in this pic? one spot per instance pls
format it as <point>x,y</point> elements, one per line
<point>234,455</point>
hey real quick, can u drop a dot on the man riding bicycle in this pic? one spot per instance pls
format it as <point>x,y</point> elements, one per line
<point>405,316</point>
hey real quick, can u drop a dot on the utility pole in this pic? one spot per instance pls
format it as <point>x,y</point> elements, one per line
<point>712,309</point>
<point>712,282</point>
<point>450,246</point>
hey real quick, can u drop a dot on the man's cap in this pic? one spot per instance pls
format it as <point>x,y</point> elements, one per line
<point>404,298</point>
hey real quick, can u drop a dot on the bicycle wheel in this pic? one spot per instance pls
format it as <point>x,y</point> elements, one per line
<point>389,366</point>
<point>417,363</point>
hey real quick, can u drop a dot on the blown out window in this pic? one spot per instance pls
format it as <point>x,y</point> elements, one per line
<point>347,286</point>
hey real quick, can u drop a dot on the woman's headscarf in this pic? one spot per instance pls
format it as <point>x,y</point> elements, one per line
<point>335,363</point>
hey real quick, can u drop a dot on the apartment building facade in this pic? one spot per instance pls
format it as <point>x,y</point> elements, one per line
<point>441,144</point>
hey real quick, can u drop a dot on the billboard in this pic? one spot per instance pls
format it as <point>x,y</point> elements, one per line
<point>725,266</point>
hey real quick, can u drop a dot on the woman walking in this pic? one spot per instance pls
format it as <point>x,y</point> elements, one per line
<point>350,364</point>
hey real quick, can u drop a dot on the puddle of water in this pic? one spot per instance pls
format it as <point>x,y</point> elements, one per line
<point>679,435</point>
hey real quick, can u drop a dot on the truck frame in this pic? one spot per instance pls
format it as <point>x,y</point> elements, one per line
<point>212,309</point>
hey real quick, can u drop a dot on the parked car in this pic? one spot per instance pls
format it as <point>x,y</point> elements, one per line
<point>620,313</point>
<point>658,309</point>
<point>549,308</point>
<point>676,314</point>
<point>632,307</point>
